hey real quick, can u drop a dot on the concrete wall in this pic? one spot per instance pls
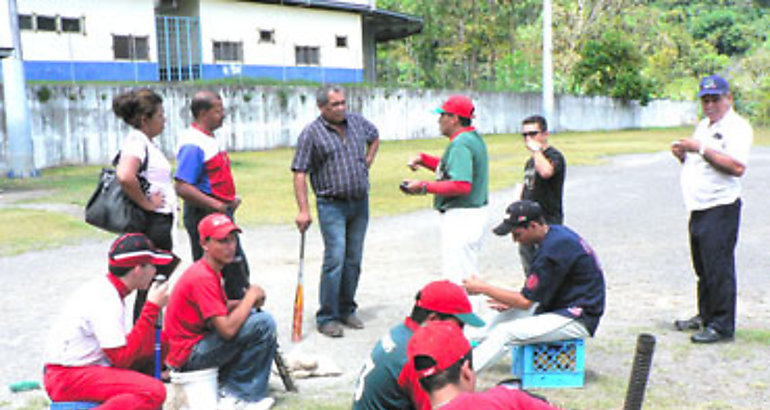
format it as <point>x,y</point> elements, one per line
<point>75,124</point>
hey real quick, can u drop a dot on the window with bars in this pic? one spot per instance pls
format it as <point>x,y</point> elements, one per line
<point>341,41</point>
<point>51,23</point>
<point>71,25</point>
<point>25,22</point>
<point>46,23</point>
<point>228,51</point>
<point>267,36</point>
<point>306,55</point>
<point>130,47</point>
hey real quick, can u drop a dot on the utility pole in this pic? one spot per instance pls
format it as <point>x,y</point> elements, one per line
<point>548,110</point>
<point>21,161</point>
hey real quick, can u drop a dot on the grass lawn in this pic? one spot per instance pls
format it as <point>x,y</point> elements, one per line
<point>264,181</point>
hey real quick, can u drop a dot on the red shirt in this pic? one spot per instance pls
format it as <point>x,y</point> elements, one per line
<point>196,297</point>
<point>498,398</point>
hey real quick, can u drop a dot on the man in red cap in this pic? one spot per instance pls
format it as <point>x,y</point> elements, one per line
<point>92,355</point>
<point>207,330</point>
<point>387,380</point>
<point>460,189</point>
<point>442,359</point>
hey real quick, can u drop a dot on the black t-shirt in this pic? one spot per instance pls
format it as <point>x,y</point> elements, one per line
<point>566,278</point>
<point>546,192</point>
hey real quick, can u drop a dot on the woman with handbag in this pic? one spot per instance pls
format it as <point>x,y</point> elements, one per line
<point>142,109</point>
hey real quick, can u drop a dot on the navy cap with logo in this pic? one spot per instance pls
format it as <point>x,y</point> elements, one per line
<point>713,85</point>
<point>517,214</point>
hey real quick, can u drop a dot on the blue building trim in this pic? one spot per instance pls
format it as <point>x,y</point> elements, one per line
<point>310,73</point>
<point>146,71</point>
<point>90,71</point>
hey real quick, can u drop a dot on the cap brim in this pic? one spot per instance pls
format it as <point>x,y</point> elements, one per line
<point>439,110</point>
<point>222,233</point>
<point>157,257</point>
<point>470,319</point>
<point>709,92</point>
<point>163,258</point>
<point>503,229</point>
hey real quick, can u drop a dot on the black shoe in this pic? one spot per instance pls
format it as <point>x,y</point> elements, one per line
<point>710,335</point>
<point>693,323</point>
<point>331,329</point>
<point>353,322</point>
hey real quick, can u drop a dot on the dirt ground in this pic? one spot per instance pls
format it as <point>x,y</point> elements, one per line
<point>629,209</point>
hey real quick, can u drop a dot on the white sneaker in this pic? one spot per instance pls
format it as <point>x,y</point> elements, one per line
<point>263,404</point>
<point>228,402</point>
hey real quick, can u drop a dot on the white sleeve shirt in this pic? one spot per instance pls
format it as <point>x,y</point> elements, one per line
<point>158,172</point>
<point>703,185</point>
<point>94,318</point>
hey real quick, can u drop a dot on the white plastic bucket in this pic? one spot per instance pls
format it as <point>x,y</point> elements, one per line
<point>199,387</point>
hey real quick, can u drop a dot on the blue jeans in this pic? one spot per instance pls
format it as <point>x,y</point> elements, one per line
<point>343,227</point>
<point>243,362</point>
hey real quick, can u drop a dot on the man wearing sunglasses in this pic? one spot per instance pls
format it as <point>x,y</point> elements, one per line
<point>713,161</point>
<point>543,178</point>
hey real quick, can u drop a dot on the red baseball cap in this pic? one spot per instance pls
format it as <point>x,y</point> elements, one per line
<point>441,341</point>
<point>216,226</point>
<point>458,105</point>
<point>134,249</point>
<point>443,296</point>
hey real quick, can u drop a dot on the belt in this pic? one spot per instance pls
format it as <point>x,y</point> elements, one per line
<point>340,199</point>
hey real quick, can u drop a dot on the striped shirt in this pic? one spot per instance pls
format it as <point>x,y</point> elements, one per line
<point>337,166</point>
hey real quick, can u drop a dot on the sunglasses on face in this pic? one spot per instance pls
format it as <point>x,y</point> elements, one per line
<point>529,134</point>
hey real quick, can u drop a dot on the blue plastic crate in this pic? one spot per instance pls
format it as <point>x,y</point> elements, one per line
<point>551,364</point>
<point>72,405</point>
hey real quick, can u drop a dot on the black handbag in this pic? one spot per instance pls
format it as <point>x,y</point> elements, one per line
<point>109,208</point>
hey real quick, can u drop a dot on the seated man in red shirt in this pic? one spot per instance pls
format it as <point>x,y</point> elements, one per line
<point>207,330</point>
<point>441,356</point>
<point>92,353</point>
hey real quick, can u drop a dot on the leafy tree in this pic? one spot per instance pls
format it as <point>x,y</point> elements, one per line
<point>612,65</point>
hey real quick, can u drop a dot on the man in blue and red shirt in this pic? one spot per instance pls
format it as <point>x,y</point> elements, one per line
<point>204,180</point>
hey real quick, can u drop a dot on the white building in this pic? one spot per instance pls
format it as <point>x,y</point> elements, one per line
<point>173,40</point>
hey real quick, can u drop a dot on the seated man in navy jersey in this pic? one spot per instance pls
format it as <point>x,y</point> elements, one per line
<point>565,284</point>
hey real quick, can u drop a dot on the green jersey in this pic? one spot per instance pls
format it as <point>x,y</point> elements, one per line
<point>465,159</point>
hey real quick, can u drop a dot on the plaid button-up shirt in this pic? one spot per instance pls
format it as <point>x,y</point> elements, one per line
<point>337,166</point>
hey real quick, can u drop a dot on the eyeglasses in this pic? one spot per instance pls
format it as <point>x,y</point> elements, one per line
<point>529,134</point>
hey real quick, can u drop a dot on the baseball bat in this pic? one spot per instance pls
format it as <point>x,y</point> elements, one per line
<point>299,297</point>
<point>158,327</point>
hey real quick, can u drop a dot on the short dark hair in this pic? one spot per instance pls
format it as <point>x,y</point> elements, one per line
<point>451,375</point>
<point>322,94</point>
<point>465,122</point>
<point>536,119</point>
<point>420,314</point>
<point>120,271</point>
<point>202,101</point>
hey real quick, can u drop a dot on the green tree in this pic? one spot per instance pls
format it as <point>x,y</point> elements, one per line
<point>612,65</point>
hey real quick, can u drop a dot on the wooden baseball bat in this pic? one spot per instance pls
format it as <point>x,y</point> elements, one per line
<point>299,297</point>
